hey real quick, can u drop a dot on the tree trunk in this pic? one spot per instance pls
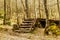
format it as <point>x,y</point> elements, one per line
<point>39,9</point>
<point>23,5</point>
<point>4,21</point>
<point>58,10</point>
<point>17,13</point>
<point>46,11</point>
<point>26,4</point>
<point>34,9</point>
<point>8,14</point>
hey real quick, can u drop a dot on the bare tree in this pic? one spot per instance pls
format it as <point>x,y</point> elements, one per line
<point>23,5</point>
<point>17,14</point>
<point>46,11</point>
<point>39,9</point>
<point>4,21</point>
<point>8,14</point>
<point>58,10</point>
<point>34,9</point>
<point>26,4</point>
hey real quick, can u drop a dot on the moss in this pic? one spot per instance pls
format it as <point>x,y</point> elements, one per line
<point>1,11</point>
<point>1,17</point>
<point>1,14</point>
<point>8,23</point>
<point>54,29</point>
<point>58,32</point>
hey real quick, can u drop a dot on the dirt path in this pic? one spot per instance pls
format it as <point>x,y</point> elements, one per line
<point>38,34</point>
<point>9,37</point>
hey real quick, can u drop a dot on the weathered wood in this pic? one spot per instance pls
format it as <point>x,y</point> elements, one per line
<point>26,26</point>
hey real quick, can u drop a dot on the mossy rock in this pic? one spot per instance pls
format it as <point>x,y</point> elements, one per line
<point>58,32</point>
<point>53,28</point>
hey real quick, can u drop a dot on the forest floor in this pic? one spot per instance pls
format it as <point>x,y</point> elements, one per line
<point>38,34</point>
